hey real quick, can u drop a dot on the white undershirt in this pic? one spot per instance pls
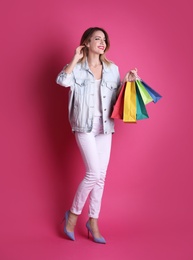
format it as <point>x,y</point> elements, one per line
<point>97,95</point>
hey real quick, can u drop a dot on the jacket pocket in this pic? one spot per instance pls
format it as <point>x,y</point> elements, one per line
<point>111,92</point>
<point>81,86</point>
<point>111,85</point>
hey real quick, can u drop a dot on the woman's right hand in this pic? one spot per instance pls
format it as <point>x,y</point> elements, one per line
<point>79,52</point>
<point>77,56</point>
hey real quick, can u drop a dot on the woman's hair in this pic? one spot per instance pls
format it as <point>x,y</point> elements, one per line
<point>86,38</point>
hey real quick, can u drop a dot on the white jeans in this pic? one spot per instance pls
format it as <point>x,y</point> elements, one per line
<point>95,148</point>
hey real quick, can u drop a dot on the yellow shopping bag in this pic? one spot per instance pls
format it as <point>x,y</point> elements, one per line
<point>129,107</point>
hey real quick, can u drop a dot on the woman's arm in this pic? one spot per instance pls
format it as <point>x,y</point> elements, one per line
<point>78,55</point>
<point>65,77</point>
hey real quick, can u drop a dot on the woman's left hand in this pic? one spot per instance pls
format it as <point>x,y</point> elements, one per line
<point>131,76</point>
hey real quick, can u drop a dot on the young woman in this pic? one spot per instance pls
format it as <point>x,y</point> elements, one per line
<point>93,82</point>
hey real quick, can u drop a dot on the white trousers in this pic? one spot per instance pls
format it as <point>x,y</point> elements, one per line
<point>95,148</point>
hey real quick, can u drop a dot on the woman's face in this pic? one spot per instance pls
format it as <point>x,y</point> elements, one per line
<point>97,43</point>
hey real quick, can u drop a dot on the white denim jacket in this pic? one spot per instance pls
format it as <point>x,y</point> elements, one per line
<point>81,96</point>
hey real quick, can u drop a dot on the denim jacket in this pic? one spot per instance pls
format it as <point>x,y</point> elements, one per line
<point>81,96</point>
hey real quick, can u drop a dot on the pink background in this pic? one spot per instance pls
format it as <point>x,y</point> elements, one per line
<point>147,208</point>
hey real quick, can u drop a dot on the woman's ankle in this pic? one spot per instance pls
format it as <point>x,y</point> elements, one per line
<point>94,226</point>
<point>72,218</point>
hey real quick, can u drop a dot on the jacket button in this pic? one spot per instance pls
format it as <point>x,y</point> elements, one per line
<point>104,96</point>
<point>105,109</point>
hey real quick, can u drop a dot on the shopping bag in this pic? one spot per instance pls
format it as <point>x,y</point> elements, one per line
<point>141,109</point>
<point>118,107</point>
<point>129,107</point>
<point>144,93</point>
<point>155,96</point>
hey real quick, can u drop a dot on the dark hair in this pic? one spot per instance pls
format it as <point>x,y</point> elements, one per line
<point>86,38</point>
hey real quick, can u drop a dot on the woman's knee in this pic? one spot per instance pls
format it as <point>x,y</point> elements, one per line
<point>93,177</point>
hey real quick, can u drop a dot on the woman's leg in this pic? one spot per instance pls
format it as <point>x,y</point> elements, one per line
<point>88,148</point>
<point>104,148</point>
<point>103,143</point>
<point>95,149</point>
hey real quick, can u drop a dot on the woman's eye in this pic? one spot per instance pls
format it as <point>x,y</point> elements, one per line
<point>98,39</point>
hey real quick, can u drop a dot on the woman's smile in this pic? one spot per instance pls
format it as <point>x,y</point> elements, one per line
<point>101,47</point>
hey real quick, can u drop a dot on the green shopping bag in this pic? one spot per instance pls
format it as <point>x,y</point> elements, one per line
<point>141,109</point>
<point>144,93</point>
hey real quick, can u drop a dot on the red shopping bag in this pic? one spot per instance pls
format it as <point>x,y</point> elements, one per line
<point>118,107</point>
